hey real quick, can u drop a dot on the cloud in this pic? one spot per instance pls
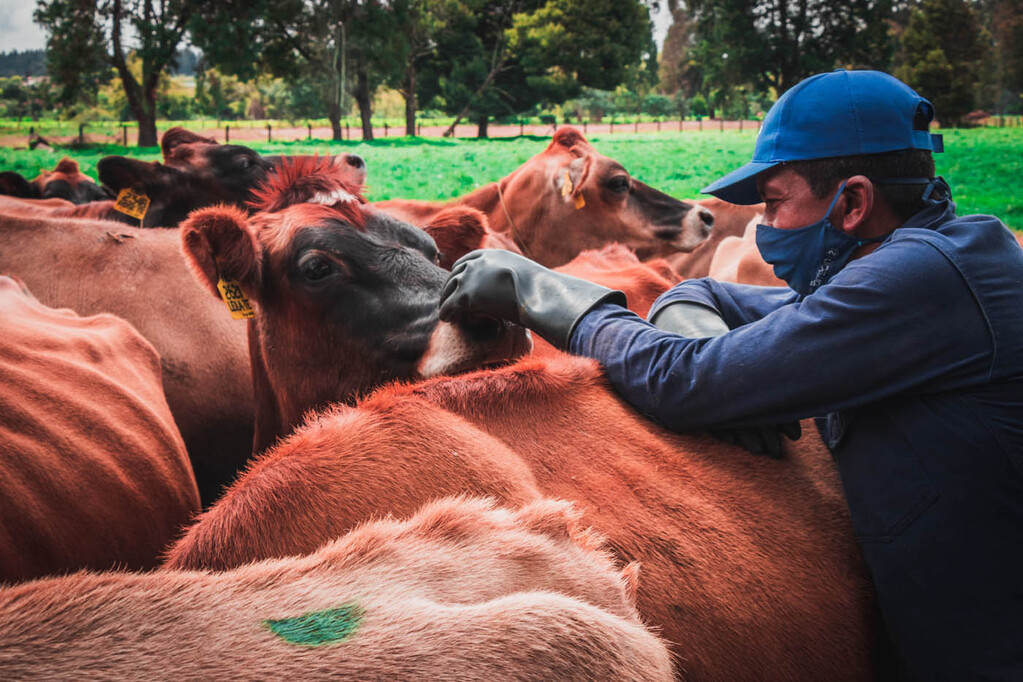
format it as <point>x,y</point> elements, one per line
<point>17,31</point>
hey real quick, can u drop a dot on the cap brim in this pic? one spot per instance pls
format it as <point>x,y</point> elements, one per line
<point>740,186</point>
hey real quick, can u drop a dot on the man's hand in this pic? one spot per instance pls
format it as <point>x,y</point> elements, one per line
<point>698,321</point>
<point>502,284</point>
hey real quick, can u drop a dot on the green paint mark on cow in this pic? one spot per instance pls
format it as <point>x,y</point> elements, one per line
<point>318,627</point>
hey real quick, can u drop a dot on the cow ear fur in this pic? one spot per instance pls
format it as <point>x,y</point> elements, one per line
<point>457,231</point>
<point>177,136</point>
<point>217,241</point>
<point>119,172</point>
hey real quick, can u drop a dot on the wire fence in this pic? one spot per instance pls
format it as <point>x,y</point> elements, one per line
<point>126,134</point>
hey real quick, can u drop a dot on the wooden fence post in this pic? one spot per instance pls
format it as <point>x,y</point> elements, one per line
<point>585,126</point>
<point>268,128</point>
<point>419,128</point>
<point>310,126</point>
<point>227,132</point>
<point>385,128</point>
<point>81,133</point>
<point>700,122</point>
<point>611,128</point>
<point>635,126</point>
<point>658,125</point>
<point>722,124</point>
<point>348,132</point>
<point>124,135</point>
<point>522,128</point>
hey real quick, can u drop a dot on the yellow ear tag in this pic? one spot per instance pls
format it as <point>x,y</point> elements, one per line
<point>132,203</point>
<point>566,188</point>
<point>579,201</point>
<point>235,299</point>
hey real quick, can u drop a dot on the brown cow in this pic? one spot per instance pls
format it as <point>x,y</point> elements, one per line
<point>94,473</point>
<point>196,172</point>
<point>569,199</point>
<point>337,286</point>
<point>459,591</point>
<point>749,564</point>
<point>93,267</point>
<point>66,181</point>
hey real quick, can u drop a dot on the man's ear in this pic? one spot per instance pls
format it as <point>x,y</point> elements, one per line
<point>218,242</point>
<point>856,204</point>
<point>457,231</point>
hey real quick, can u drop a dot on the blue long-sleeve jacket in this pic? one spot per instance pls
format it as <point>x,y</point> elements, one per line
<point>912,359</point>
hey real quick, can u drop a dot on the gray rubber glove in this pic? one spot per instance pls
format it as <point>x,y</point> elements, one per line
<point>505,285</point>
<point>697,321</point>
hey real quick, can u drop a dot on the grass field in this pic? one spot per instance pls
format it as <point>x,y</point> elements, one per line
<point>982,165</point>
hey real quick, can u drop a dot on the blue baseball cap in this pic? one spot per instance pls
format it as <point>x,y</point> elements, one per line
<point>842,113</point>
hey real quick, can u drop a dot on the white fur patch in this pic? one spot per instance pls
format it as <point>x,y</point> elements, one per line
<point>338,196</point>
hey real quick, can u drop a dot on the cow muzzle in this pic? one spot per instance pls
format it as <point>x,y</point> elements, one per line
<point>696,228</point>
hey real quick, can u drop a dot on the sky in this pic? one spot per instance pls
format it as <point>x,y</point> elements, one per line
<point>18,32</point>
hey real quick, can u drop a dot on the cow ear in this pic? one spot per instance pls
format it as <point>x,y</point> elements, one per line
<point>68,166</point>
<point>457,231</point>
<point>14,185</point>
<point>119,172</point>
<point>218,242</point>
<point>177,136</point>
<point>573,177</point>
<point>568,137</point>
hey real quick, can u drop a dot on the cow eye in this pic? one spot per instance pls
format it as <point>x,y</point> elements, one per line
<point>619,184</point>
<point>314,268</point>
<point>243,162</point>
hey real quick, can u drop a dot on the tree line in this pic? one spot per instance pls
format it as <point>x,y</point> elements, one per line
<point>477,60</point>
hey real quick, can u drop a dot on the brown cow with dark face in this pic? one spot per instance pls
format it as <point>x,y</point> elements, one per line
<point>569,199</point>
<point>66,181</point>
<point>196,172</point>
<point>333,280</point>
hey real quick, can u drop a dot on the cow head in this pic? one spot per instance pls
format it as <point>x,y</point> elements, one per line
<point>66,181</point>
<point>569,199</point>
<point>345,297</point>
<point>196,172</point>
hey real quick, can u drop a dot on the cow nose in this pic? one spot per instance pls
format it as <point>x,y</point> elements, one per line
<point>706,217</point>
<point>355,161</point>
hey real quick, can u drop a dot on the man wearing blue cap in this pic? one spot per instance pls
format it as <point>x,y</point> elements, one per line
<point>902,333</point>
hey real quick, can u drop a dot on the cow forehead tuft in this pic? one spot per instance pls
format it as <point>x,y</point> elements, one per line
<point>303,180</point>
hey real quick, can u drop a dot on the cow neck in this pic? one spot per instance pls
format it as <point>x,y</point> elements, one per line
<point>511,223</point>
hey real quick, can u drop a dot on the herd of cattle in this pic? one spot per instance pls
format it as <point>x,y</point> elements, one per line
<point>339,483</point>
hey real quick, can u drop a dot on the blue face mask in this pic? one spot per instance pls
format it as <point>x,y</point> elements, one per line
<point>807,257</point>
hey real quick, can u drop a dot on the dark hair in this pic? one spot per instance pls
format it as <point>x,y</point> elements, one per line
<point>823,175</point>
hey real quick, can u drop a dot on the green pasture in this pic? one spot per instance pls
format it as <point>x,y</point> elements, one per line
<point>982,165</point>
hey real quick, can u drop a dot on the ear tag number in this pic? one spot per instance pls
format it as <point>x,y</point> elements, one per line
<point>132,203</point>
<point>235,299</point>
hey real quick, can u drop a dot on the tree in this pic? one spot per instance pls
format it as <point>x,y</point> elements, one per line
<point>503,57</point>
<point>678,69</point>
<point>83,34</point>
<point>942,53</point>
<point>777,43</point>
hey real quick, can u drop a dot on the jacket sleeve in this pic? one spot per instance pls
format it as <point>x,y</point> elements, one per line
<point>896,320</point>
<point>737,304</point>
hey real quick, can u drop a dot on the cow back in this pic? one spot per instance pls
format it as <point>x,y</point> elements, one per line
<point>96,267</point>
<point>94,472</point>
